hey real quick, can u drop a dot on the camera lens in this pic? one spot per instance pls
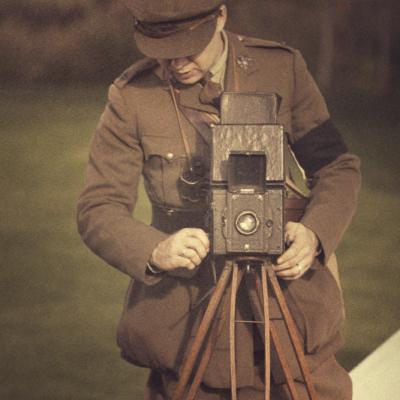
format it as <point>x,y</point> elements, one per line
<point>247,223</point>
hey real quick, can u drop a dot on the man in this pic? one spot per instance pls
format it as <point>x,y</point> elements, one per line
<point>156,124</point>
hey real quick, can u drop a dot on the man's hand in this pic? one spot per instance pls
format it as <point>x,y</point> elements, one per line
<point>185,248</point>
<point>297,259</point>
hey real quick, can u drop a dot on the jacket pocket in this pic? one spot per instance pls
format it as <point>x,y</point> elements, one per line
<point>164,161</point>
<point>156,323</point>
<point>317,306</point>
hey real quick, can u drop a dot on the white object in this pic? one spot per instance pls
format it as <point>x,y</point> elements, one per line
<point>377,377</point>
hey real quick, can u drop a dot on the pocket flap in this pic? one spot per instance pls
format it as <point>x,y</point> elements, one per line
<point>169,148</point>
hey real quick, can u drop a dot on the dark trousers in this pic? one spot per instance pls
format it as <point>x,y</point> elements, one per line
<point>331,382</point>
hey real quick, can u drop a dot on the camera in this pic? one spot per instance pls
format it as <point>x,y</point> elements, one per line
<point>247,177</point>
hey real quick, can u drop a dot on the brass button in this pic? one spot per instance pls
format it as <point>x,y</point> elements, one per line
<point>169,156</point>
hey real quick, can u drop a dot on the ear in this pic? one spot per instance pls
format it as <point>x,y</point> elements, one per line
<point>223,15</point>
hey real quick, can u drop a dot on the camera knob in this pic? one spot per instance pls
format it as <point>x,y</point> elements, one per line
<point>269,223</point>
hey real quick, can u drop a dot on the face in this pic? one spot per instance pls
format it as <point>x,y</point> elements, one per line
<point>191,69</point>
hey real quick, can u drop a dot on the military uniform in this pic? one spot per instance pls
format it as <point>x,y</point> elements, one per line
<point>138,134</point>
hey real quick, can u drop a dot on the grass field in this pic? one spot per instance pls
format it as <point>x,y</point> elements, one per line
<point>61,304</point>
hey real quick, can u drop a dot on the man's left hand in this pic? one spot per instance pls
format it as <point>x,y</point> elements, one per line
<point>297,259</point>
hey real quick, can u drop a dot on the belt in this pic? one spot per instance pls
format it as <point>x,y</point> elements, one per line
<point>294,209</point>
<point>169,219</point>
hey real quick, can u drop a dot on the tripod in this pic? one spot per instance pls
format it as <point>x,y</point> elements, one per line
<point>235,270</point>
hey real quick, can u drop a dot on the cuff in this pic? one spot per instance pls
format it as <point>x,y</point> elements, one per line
<point>138,260</point>
<point>325,247</point>
<point>152,270</point>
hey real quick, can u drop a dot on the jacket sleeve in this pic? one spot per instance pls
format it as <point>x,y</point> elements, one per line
<point>333,174</point>
<point>105,205</point>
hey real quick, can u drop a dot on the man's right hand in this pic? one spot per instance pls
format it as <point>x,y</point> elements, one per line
<point>184,249</point>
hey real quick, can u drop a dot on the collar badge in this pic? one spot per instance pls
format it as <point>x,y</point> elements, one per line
<point>245,63</point>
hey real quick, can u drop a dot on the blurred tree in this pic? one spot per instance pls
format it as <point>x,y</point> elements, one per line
<point>384,24</point>
<point>326,52</point>
<point>354,43</point>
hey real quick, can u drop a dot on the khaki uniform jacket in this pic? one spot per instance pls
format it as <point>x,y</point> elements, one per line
<point>138,134</point>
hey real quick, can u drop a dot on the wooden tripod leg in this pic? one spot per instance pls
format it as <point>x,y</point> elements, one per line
<point>267,369</point>
<point>284,363</point>
<point>291,327</point>
<point>204,361</point>
<point>278,347</point>
<point>202,332</point>
<point>215,332</point>
<point>232,341</point>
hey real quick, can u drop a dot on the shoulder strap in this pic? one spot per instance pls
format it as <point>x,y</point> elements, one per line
<point>134,70</point>
<point>256,42</point>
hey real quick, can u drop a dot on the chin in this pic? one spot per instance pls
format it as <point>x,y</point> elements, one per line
<point>189,80</point>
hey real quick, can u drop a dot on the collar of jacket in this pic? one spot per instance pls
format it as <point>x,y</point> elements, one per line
<point>240,68</point>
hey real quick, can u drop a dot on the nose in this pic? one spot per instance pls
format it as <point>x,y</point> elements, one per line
<point>178,63</point>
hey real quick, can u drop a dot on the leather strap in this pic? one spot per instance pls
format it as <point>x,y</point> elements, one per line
<point>236,86</point>
<point>185,141</point>
<point>201,121</point>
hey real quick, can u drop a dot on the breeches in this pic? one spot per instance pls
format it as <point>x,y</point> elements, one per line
<point>331,382</point>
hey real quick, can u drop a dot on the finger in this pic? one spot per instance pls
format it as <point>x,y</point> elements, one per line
<point>202,236</point>
<point>292,273</point>
<point>288,240</point>
<point>288,265</point>
<point>291,278</point>
<point>197,245</point>
<point>290,231</point>
<point>295,248</point>
<point>300,258</point>
<point>183,262</point>
<point>298,269</point>
<point>191,255</point>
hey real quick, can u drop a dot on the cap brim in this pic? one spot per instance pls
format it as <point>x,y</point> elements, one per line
<point>181,44</point>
